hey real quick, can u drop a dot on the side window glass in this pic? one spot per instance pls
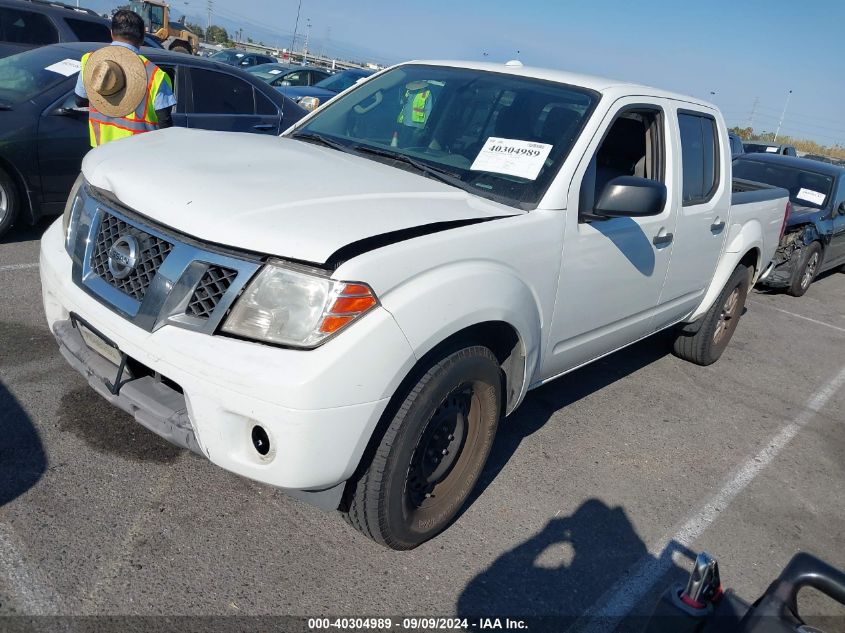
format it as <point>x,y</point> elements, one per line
<point>631,147</point>
<point>218,93</point>
<point>88,30</point>
<point>698,157</point>
<point>263,105</point>
<point>26,27</point>
<point>157,18</point>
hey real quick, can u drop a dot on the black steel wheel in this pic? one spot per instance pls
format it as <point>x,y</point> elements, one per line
<point>704,344</point>
<point>432,452</point>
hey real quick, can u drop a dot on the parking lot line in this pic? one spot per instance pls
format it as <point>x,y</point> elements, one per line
<point>18,267</point>
<point>799,316</point>
<point>624,596</point>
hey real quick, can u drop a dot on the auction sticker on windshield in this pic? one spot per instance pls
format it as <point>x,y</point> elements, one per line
<point>808,195</point>
<point>512,157</point>
<point>66,67</point>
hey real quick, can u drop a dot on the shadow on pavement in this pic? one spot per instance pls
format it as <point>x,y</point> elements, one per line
<point>23,232</point>
<point>555,577</point>
<point>22,458</point>
<point>542,403</point>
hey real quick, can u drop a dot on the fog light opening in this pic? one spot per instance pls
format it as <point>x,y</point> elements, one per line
<point>260,440</point>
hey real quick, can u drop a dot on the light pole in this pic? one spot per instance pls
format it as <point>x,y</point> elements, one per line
<point>782,114</point>
<point>295,28</point>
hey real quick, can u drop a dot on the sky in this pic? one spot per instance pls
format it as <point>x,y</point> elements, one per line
<point>740,50</point>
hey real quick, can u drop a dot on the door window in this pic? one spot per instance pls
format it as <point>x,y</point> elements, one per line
<point>156,17</point>
<point>699,151</point>
<point>88,30</point>
<point>264,106</point>
<point>632,146</point>
<point>219,93</point>
<point>26,27</point>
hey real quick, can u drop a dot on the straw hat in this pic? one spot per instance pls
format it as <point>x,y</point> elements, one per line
<point>115,80</point>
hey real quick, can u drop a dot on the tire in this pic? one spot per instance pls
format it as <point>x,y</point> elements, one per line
<point>9,202</point>
<point>705,346</point>
<point>409,492</point>
<point>180,49</point>
<point>807,269</point>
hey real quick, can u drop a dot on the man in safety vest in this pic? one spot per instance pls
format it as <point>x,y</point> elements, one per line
<point>416,108</point>
<point>125,92</point>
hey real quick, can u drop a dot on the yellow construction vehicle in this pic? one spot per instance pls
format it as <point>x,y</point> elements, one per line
<point>172,35</point>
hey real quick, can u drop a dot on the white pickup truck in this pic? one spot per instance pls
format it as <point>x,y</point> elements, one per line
<point>348,311</point>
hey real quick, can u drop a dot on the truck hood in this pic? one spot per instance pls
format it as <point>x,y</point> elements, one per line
<point>273,195</point>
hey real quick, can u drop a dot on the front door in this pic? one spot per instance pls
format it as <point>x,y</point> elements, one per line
<point>613,270</point>
<point>836,248</point>
<point>227,103</point>
<point>63,141</point>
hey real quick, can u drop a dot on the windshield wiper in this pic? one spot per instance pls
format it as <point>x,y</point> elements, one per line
<point>437,173</point>
<point>322,140</point>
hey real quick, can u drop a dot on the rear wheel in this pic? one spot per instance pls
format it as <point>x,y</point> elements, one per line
<point>806,270</point>
<point>432,452</point>
<point>705,346</point>
<point>9,202</point>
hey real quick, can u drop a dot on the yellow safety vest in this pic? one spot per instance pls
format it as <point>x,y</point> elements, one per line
<point>104,129</point>
<point>417,107</point>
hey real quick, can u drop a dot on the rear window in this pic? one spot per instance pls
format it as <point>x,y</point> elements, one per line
<point>89,31</point>
<point>26,27</point>
<point>753,148</point>
<point>806,188</point>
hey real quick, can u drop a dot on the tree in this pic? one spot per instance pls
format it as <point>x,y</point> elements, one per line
<point>745,133</point>
<point>195,29</point>
<point>217,34</point>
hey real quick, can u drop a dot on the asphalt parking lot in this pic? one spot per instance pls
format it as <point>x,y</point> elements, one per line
<point>598,489</point>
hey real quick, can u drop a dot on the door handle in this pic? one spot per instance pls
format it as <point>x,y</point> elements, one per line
<point>718,225</point>
<point>662,238</point>
<point>263,126</point>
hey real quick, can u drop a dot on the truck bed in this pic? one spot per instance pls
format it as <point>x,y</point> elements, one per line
<point>747,191</point>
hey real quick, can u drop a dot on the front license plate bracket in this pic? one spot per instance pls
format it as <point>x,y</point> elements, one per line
<point>112,354</point>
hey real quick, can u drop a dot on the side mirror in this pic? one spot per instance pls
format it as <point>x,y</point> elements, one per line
<point>631,196</point>
<point>841,208</point>
<point>284,82</point>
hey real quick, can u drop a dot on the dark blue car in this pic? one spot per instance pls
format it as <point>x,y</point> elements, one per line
<point>311,97</point>
<point>814,236</point>
<point>43,136</point>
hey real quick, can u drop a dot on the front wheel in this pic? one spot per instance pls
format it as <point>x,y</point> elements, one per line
<point>432,452</point>
<point>806,270</point>
<point>8,202</point>
<point>181,49</point>
<point>705,346</point>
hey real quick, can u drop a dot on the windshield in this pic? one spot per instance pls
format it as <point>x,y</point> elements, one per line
<point>759,147</point>
<point>495,135</point>
<point>26,75</point>
<point>227,56</point>
<point>806,188</point>
<point>341,81</point>
<point>269,71</point>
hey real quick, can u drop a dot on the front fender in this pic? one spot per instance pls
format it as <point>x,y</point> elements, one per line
<point>434,305</point>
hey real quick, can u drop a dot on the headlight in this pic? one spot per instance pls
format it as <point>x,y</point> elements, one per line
<point>70,217</point>
<point>309,103</point>
<point>296,307</point>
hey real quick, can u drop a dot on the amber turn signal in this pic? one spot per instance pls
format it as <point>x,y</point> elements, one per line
<point>351,302</point>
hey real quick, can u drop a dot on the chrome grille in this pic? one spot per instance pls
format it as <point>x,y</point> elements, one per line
<point>152,253</point>
<point>211,288</point>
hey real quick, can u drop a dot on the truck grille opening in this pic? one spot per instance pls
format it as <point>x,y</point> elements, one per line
<point>151,254</point>
<point>211,288</point>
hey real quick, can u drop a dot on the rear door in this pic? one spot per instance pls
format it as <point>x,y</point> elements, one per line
<point>703,220</point>
<point>227,103</point>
